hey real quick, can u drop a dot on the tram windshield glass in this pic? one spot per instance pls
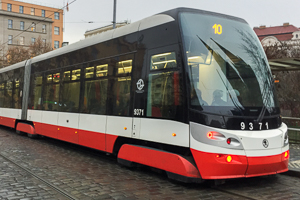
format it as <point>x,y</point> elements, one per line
<point>228,69</point>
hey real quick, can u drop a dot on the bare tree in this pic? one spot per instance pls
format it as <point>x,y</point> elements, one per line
<point>289,81</point>
<point>20,53</point>
<point>39,47</point>
<point>16,54</point>
<point>283,49</point>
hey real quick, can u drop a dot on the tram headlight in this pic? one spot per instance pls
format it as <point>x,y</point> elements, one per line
<point>215,136</point>
<point>229,158</point>
<point>286,154</point>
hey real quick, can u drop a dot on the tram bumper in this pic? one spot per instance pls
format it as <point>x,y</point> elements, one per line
<point>226,166</point>
<point>250,158</point>
<point>266,165</point>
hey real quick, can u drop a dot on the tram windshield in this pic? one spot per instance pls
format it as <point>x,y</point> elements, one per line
<point>228,69</point>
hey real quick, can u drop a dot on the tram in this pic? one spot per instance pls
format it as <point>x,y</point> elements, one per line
<point>186,91</point>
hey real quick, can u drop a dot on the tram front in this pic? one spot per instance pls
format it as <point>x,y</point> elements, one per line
<point>235,123</point>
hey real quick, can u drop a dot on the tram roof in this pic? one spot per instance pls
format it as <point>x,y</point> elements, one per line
<point>149,22</point>
<point>140,25</point>
<point>14,66</point>
<point>143,24</point>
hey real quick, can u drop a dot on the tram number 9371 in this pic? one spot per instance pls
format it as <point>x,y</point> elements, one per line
<point>251,126</point>
<point>138,112</point>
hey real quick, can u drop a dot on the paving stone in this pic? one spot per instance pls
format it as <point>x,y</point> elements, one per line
<point>87,174</point>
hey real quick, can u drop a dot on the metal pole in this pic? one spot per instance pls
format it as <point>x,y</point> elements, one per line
<point>115,9</point>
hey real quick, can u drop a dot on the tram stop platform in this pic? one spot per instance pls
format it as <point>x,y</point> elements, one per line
<point>294,164</point>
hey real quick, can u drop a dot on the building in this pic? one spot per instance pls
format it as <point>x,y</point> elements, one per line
<point>96,31</point>
<point>282,46</point>
<point>22,23</point>
<point>272,35</point>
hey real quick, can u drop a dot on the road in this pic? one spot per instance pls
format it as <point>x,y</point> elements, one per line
<point>50,169</point>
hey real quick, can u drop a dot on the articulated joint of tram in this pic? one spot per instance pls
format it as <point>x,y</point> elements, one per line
<point>26,128</point>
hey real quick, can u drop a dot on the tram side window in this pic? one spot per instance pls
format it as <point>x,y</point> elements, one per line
<point>18,86</point>
<point>70,91</point>
<point>51,92</point>
<point>164,91</point>
<point>121,88</point>
<point>16,95</point>
<point>95,88</point>
<point>36,92</point>
<point>8,94</point>
<point>163,61</point>
<point>95,97</point>
<point>2,95</point>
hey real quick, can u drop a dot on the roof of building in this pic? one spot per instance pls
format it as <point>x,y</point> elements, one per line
<point>266,31</point>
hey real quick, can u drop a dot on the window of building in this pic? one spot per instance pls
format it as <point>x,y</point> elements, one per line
<point>21,9</point>
<point>56,44</point>
<point>32,11</point>
<point>43,13</point>
<point>56,15</point>
<point>22,40</point>
<point>10,38</point>
<point>9,7</point>
<point>33,27</point>
<point>32,40</point>
<point>10,23</point>
<point>44,28</point>
<point>56,30</point>
<point>22,25</point>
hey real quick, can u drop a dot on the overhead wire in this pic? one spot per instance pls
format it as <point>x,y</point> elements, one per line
<point>40,21</point>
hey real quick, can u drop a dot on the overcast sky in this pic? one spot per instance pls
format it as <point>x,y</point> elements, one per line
<point>100,12</point>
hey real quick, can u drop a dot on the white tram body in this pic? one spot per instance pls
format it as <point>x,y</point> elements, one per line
<point>186,91</point>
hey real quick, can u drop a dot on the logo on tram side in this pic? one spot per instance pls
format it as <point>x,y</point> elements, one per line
<point>140,85</point>
<point>265,143</point>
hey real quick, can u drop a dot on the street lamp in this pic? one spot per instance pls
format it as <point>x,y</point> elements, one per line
<point>114,17</point>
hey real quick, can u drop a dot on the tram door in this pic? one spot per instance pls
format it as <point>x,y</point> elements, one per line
<point>156,91</point>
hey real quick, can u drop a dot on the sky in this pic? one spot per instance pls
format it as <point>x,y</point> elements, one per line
<point>86,15</point>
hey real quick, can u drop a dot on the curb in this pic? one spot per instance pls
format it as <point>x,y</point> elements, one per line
<point>292,172</point>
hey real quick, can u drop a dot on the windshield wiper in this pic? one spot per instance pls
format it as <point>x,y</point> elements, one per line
<point>266,99</point>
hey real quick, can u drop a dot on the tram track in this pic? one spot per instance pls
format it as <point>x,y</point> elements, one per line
<point>93,153</point>
<point>52,186</point>
<point>233,193</point>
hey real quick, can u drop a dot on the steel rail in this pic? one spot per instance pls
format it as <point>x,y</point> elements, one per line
<point>233,193</point>
<point>57,189</point>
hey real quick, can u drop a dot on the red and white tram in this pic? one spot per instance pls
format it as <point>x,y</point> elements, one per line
<point>186,91</point>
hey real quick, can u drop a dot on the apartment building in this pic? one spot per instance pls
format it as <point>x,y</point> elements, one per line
<point>22,23</point>
<point>272,35</point>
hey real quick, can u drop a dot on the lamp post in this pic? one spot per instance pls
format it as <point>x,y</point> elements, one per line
<point>114,17</point>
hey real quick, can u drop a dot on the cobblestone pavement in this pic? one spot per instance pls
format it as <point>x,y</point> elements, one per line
<point>88,174</point>
<point>294,157</point>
